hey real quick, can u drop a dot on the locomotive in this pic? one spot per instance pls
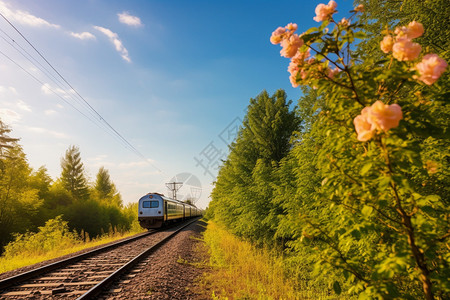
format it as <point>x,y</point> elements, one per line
<point>156,210</point>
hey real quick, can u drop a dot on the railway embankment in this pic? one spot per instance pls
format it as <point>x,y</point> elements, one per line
<point>161,274</point>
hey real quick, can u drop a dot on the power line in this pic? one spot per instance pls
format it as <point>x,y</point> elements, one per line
<point>91,109</point>
<point>55,80</point>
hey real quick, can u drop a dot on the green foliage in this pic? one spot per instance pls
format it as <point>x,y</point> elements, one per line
<point>72,176</point>
<point>94,218</point>
<point>29,198</point>
<point>54,235</point>
<point>382,14</point>
<point>6,142</point>
<point>105,190</point>
<point>368,217</point>
<point>19,202</point>
<point>243,191</point>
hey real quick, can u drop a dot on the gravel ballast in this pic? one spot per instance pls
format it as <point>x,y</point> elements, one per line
<point>168,273</point>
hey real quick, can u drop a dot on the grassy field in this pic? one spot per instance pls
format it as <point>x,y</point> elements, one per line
<point>241,271</point>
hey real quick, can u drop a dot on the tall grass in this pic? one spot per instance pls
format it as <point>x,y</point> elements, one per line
<point>51,241</point>
<point>242,271</point>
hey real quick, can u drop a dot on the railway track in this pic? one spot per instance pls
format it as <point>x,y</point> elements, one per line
<point>89,274</point>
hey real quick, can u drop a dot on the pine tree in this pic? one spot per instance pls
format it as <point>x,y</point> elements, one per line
<point>72,175</point>
<point>105,189</point>
<point>5,141</point>
<point>243,194</point>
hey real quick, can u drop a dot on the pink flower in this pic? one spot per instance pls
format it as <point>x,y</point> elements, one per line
<point>379,116</point>
<point>414,30</point>
<point>386,44</point>
<point>333,72</point>
<point>295,66</point>
<point>293,69</point>
<point>292,27</point>
<point>405,49</point>
<point>277,35</point>
<point>344,22</point>
<point>359,8</point>
<point>431,68</point>
<point>290,45</point>
<point>363,127</point>
<point>324,12</point>
<point>384,117</point>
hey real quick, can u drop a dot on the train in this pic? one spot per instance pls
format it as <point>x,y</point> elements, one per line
<point>156,210</point>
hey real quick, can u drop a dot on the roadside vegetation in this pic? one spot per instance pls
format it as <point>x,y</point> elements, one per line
<point>41,218</point>
<point>241,271</point>
<point>51,241</point>
<point>352,185</point>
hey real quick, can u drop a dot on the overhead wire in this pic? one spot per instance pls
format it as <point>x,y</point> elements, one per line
<point>55,80</point>
<point>93,112</point>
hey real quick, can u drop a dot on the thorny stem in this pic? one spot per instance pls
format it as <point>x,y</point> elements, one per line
<point>326,57</point>
<point>406,222</point>
<point>347,71</point>
<point>335,82</point>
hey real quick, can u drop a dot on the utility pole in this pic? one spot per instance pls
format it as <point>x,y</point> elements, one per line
<point>174,187</point>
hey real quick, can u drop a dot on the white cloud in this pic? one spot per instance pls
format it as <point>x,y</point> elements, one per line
<point>9,116</point>
<point>100,161</point>
<point>50,112</point>
<point>114,38</point>
<point>98,158</point>
<point>44,131</point>
<point>83,35</point>
<point>130,20</point>
<point>134,164</point>
<point>23,106</point>
<point>49,90</point>
<point>13,90</point>
<point>24,17</point>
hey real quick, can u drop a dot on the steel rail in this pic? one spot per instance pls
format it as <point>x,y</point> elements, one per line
<point>99,288</point>
<point>10,281</point>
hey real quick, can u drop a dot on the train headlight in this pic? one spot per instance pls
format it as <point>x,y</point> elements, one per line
<point>140,212</point>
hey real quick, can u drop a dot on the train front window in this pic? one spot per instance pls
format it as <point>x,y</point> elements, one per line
<point>150,204</point>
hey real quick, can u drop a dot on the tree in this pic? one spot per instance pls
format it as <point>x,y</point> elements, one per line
<point>242,198</point>
<point>382,14</point>
<point>19,203</point>
<point>106,190</point>
<point>381,135</point>
<point>6,142</point>
<point>72,175</point>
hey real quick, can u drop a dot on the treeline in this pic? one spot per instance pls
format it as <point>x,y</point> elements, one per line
<point>365,216</point>
<point>28,198</point>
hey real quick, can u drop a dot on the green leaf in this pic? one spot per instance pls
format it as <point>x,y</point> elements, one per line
<point>367,210</point>
<point>366,168</point>
<point>360,35</point>
<point>337,288</point>
<point>356,234</point>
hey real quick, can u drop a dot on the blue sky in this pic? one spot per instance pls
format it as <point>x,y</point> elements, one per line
<point>172,77</point>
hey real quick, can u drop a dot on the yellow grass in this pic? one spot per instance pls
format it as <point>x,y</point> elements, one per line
<point>241,271</point>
